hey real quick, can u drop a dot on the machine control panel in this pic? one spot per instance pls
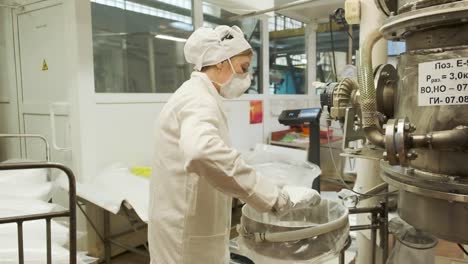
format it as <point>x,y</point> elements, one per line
<point>300,116</point>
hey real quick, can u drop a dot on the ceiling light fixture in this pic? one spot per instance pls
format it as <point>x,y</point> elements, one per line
<point>166,37</point>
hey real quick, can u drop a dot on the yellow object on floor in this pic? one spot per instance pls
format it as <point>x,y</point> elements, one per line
<point>141,171</point>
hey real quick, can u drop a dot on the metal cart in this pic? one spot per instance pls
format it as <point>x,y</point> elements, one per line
<point>70,213</point>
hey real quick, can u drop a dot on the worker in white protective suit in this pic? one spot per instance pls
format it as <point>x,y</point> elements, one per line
<point>197,172</point>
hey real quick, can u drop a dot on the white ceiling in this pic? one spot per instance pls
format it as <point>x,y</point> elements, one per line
<point>316,10</point>
<point>242,6</point>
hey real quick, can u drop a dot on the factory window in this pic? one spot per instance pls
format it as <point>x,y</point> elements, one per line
<point>344,48</point>
<point>288,60</point>
<point>395,48</point>
<point>138,48</point>
<point>280,22</point>
<point>214,16</point>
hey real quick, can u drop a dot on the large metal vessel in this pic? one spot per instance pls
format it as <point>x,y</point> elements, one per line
<point>427,141</point>
<point>416,118</point>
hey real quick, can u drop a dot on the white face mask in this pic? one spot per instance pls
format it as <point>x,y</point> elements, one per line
<point>236,85</point>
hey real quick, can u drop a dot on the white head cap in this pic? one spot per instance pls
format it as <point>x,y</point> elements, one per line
<point>208,46</point>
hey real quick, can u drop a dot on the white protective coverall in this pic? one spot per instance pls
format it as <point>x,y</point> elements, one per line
<point>196,174</point>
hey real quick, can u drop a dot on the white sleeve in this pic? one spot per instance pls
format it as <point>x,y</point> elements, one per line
<point>207,155</point>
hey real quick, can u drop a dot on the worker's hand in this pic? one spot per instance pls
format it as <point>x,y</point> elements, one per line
<point>294,197</point>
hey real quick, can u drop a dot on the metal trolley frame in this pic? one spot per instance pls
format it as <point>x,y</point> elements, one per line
<point>70,213</point>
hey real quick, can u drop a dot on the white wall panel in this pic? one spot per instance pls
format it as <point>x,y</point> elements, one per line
<point>9,121</point>
<point>125,133</point>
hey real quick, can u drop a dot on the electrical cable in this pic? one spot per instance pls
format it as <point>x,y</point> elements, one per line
<point>463,249</point>
<point>333,47</point>
<point>328,79</point>
<point>340,173</point>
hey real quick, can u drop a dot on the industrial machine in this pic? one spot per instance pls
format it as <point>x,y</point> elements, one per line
<point>415,119</point>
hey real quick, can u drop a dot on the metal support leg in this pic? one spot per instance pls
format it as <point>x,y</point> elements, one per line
<point>384,235</point>
<point>71,212</point>
<point>379,221</point>
<point>133,223</point>
<point>101,237</point>
<point>20,243</point>
<point>131,249</point>
<point>374,237</point>
<point>342,257</point>
<point>107,242</point>
<point>49,241</point>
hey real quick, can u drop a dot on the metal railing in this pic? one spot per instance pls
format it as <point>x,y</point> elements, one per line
<point>71,212</point>
<point>379,222</point>
<point>41,137</point>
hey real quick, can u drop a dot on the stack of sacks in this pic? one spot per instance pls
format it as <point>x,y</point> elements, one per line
<point>27,192</point>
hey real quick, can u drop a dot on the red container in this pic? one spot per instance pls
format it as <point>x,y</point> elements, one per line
<point>326,134</point>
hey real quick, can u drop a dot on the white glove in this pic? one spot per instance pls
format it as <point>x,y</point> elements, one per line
<point>294,197</point>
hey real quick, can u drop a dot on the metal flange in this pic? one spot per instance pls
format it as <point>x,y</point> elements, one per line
<point>385,79</point>
<point>397,136</point>
<point>398,27</point>
<point>400,141</point>
<point>391,153</point>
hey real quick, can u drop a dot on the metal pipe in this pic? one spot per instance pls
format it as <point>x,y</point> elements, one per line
<point>91,223</point>
<point>377,189</point>
<point>20,243</point>
<point>49,241</point>
<point>350,45</point>
<point>374,237</point>
<point>129,231</point>
<point>341,258</point>
<point>332,44</point>
<point>132,249</point>
<point>375,135</point>
<point>368,103</point>
<point>374,190</point>
<point>71,213</point>
<point>446,139</point>
<point>7,220</point>
<point>273,9</point>
<point>363,227</point>
<point>107,241</point>
<point>30,136</point>
<point>72,207</point>
<point>151,63</point>
<point>384,237</point>
<point>362,210</point>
